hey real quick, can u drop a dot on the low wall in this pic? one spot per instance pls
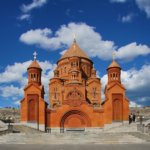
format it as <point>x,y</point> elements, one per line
<point>40,127</point>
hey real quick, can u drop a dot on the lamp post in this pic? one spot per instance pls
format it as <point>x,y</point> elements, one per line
<point>10,127</point>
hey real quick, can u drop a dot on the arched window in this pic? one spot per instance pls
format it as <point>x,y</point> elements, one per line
<point>94,92</point>
<point>65,70</point>
<point>31,76</point>
<point>74,64</point>
<point>55,93</point>
<point>116,76</point>
<point>37,77</point>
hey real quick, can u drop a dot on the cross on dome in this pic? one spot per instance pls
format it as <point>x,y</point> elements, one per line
<point>35,54</point>
<point>113,55</point>
<point>74,37</point>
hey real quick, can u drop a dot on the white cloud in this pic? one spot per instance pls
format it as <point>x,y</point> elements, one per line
<point>17,102</point>
<point>39,37</point>
<point>104,81</point>
<point>14,73</point>
<point>134,104</point>
<point>131,51</point>
<point>11,91</point>
<point>118,1</point>
<point>24,17</point>
<point>144,5</point>
<point>137,80</point>
<point>127,18</point>
<point>87,38</point>
<point>35,4</point>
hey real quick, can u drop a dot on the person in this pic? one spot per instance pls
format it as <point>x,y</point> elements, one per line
<point>134,117</point>
<point>130,119</point>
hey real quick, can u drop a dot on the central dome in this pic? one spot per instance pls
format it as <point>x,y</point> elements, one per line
<point>74,50</point>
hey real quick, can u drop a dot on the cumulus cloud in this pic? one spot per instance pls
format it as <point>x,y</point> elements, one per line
<point>14,73</point>
<point>14,79</point>
<point>131,51</point>
<point>127,18</point>
<point>137,83</point>
<point>144,5</point>
<point>137,80</point>
<point>35,4</point>
<point>10,91</point>
<point>87,38</point>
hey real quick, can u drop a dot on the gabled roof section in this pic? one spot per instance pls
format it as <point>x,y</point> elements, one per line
<point>75,50</point>
<point>115,83</point>
<point>32,84</point>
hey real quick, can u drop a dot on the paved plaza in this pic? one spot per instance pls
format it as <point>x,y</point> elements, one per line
<point>122,134</point>
<point>73,138</point>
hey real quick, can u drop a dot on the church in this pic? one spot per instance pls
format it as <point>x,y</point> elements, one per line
<point>74,96</point>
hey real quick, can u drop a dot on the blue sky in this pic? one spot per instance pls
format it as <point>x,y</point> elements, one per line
<point>101,27</point>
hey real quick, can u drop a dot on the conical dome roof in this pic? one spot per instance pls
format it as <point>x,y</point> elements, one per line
<point>34,64</point>
<point>74,50</point>
<point>114,64</point>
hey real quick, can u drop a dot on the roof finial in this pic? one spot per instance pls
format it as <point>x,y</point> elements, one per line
<point>35,54</point>
<point>74,38</point>
<point>113,55</point>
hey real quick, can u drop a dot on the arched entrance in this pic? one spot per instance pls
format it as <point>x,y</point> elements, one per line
<point>117,110</point>
<point>74,120</point>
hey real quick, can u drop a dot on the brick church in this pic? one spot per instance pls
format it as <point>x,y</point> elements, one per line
<point>74,95</point>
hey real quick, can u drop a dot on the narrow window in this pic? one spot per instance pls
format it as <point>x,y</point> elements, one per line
<point>94,92</point>
<point>55,93</point>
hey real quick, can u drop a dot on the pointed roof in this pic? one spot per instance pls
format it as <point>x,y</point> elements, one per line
<point>114,64</point>
<point>74,50</point>
<point>34,64</point>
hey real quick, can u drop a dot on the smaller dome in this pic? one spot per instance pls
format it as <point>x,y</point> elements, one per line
<point>34,64</point>
<point>114,64</point>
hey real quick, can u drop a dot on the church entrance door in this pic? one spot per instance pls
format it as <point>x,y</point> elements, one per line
<point>117,110</point>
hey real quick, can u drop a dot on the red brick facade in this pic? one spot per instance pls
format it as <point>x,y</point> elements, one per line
<point>75,95</point>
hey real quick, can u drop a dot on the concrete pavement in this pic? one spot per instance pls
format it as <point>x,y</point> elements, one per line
<point>77,147</point>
